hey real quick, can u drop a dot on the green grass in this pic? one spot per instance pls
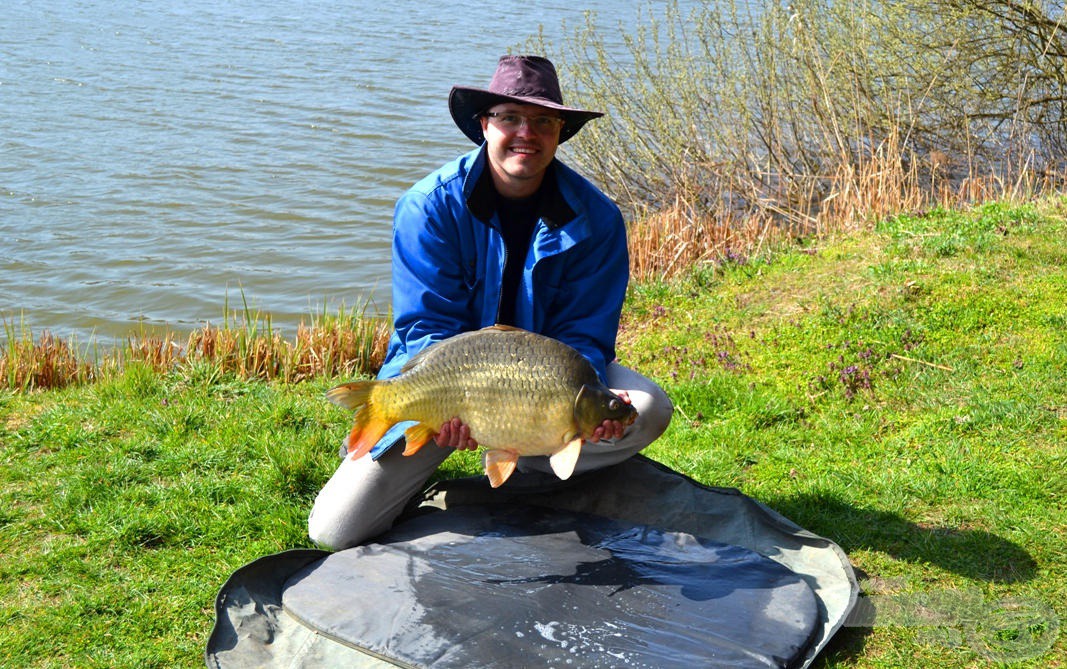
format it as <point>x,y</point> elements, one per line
<point>900,392</point>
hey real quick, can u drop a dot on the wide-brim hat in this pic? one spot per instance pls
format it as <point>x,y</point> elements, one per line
<point>524,79</point>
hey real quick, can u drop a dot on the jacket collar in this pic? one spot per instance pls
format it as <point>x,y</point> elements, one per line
<point>482,196</point>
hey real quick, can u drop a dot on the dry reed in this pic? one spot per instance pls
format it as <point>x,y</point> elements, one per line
<point>48,362</point>
<point>673,241</point>
<point>350,343</point>
<point>891,180</point>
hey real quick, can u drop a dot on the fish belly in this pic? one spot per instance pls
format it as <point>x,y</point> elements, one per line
<point>503,409</point>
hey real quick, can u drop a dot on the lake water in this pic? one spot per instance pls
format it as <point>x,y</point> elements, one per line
<point>160,159</point>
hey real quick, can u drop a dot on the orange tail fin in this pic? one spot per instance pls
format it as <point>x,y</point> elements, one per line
<point>351,395</point>
<point>369,424</point>
<point>368,429</point>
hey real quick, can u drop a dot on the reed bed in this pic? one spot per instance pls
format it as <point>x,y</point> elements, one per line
<point>667,243</point>
<point>45,362</point>
<point>893,180</point>
<point>247,346</point>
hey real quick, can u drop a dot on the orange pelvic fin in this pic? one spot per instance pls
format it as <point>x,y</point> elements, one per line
<point>499,465</point>
<point>417,436</point>
<point>563,461</point>
<point>366,432</point>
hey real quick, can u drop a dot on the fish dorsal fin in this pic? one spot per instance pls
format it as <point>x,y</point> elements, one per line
<point>414,360</point>
<point>563,461</point>
<point>429,349</point>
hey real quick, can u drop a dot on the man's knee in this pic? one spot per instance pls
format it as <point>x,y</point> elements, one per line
<point>364,497</point>
<point>658,413</point>
<point>323,535</point>
<point>654,407</point>
<point>334,527</point>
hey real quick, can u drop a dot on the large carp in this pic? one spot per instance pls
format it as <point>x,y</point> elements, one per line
<point>520,393</point>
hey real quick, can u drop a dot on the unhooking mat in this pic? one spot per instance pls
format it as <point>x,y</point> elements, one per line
<point>631,566</point>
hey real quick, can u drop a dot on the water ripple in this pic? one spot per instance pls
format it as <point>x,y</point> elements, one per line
<point>159,161</point>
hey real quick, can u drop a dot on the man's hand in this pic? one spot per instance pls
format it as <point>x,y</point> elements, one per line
<point>455,434</point>
<point>610,429</point>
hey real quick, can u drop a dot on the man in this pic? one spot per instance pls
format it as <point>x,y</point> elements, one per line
<point>503,234</point>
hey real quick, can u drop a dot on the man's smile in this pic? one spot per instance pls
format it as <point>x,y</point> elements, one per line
<point>525,149</point>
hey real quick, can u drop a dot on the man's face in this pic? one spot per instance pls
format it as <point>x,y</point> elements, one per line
<point>522,141</point>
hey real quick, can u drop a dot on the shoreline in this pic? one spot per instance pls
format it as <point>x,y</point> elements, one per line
<point>353,339</point>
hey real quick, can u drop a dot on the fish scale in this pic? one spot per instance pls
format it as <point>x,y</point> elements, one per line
<point>519,393</point>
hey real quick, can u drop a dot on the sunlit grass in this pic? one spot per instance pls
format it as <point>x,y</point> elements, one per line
<point>900,391</point>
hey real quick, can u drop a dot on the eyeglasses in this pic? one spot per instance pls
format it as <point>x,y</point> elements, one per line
<point>511,121</point>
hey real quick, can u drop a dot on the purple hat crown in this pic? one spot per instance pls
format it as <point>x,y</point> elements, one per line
<point>522,79</point>
<point>527,77</point>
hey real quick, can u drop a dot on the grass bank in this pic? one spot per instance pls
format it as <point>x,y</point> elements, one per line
<point>900,391</point>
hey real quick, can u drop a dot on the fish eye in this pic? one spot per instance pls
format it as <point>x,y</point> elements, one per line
<point>613,405</point>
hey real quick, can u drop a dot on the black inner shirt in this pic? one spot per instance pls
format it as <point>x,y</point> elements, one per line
<point>518,218</point>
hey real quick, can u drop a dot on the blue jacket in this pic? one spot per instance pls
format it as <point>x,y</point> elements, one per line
<point>449,255</point>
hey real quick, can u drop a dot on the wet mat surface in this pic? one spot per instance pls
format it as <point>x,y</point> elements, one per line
<point>525,586</point>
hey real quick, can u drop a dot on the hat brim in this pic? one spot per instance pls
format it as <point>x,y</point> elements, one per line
<point>465,105</point>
